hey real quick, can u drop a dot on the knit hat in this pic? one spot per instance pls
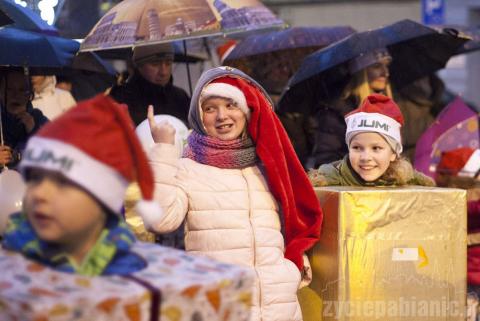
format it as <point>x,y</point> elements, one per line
<point>379,114</point>
<point>460,162</point>
<point>368,59</point>
<point>224,90</point>
<point>94,145</point>
<point>152,53</point>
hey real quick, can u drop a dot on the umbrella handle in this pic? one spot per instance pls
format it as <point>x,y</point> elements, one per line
<point>188,67</point>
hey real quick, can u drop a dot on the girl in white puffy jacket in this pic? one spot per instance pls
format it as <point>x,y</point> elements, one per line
<point>241,189</point>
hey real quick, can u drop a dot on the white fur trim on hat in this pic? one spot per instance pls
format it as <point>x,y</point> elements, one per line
<point>374,122</point>
<point>151,213</point>
<point>103,181</point>
<point>472,166</point>
<point>220,89</point>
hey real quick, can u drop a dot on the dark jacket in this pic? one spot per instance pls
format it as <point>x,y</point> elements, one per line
<point>318,136</point>
<point>14,133</point>
<point>138,93</point>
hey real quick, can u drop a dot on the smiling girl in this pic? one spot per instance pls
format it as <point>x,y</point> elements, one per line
<point>374,148</point>
<point>235,188</point>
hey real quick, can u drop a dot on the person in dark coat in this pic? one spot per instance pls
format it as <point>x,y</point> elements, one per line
<point>152,84</point>
<point>19,119</point>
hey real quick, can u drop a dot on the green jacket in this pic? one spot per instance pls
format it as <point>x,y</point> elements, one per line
<point>340,173</point>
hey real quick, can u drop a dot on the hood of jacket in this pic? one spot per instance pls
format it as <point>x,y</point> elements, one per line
<point>207,77</point>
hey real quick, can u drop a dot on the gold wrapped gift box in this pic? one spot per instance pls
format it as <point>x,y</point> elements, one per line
<point>134,221</point>
<point>391,254</point>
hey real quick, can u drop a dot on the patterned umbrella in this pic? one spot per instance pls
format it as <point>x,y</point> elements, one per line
<point>142,22</point>
<point>455,127</point>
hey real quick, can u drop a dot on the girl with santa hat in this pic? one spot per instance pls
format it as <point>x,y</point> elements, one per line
<point>374,150</point>
<point>241,189</point>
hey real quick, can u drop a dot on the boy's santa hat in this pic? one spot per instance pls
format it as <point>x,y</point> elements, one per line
<point>224,90</point>
<point>379,114</point>
<point>460,162</point>
<point>94,145</point>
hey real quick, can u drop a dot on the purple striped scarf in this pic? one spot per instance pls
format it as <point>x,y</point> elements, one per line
<point>233,154</point>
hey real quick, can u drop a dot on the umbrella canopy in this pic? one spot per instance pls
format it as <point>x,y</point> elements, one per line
<point>4,19</point>
<point>90,61</point>
<point>194,52</point>
<point>455,127</point>
<point>25,18</point>
<point>416,50</point>
<point>140,22</point>
<point>472,33</point>
<point>35,50</point>
<point>291,38</point>
<point>272,58</point>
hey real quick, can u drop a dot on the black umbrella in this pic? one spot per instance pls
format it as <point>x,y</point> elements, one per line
<point>90,61</point>
<point>416,50</point>
<point>472,33</point>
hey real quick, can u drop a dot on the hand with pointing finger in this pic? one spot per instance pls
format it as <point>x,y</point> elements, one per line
<point>162,132</point>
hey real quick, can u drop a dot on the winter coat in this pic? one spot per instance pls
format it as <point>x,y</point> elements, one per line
<point>318,136</point>
<point>15,134</point>
<point>420,103</point>
<point>138,93</point>
<point>230,216</point>
<point>341,173</point>
<point>52,101</point>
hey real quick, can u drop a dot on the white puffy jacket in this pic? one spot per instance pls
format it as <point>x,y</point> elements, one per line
<point>230,216</point>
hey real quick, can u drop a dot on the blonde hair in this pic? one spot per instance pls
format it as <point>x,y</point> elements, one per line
<point>402,172</point>
<point>358,87</point>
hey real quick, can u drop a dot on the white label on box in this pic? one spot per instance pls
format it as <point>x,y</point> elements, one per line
<point>405,254</point>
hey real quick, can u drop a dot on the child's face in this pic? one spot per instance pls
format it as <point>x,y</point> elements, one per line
<point>370,155</point>
<point>61,212</point>
<point>222,118</point>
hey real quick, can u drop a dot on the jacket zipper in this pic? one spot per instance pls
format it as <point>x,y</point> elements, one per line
<point>259,289</point>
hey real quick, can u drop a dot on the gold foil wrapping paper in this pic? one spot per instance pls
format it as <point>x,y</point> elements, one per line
<point>391,254</point>
<point>134,220</point>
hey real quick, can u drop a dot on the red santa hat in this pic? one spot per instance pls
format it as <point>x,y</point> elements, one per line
<point>95,146</point>
<point>224,90</point>
<point>379,114</point>
<point>460,162</point>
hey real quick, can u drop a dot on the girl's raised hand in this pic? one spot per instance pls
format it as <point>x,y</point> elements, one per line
<point>162,132</point>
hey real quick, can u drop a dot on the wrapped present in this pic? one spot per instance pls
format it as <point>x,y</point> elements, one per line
<point>175,286</point>
<point>391,254</point>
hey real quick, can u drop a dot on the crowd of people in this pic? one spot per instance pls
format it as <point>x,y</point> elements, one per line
<point>240,193</point>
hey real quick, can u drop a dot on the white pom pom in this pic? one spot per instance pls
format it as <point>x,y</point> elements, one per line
<point>150,211</point>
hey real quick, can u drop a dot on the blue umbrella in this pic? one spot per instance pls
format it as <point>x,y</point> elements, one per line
<point>35,50</point>
<point>4,19</point>
<point>292,38</point>
<point>25,18</point>
<point>416,50</point>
